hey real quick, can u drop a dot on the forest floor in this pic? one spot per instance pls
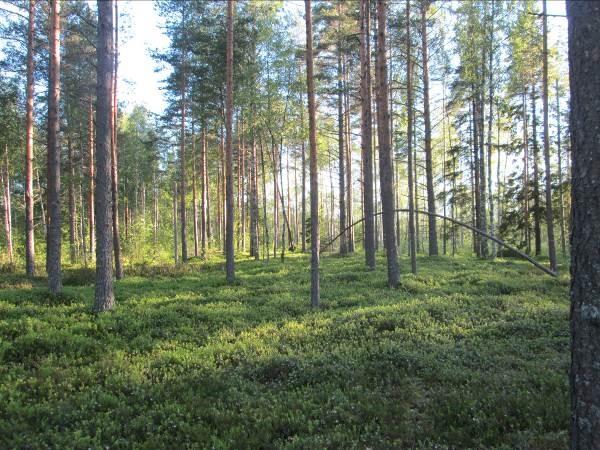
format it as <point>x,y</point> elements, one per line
<point>466,354</point>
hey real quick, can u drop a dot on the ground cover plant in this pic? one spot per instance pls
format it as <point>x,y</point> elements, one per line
<point>467,354</point>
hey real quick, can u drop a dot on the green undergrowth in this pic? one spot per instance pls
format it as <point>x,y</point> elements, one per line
<point>466,354</point>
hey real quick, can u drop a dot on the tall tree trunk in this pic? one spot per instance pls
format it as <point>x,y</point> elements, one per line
<point>203,196</point>
<point>341,148</point>
<point>366,133</point>
<point>43,210</point>
<point>91,175</point>
<point>71,197</point>
<point>254,201</point>
<point>537,229</point>
<point>266,251</point>
<point>175,230</point>
<point>526,227</point>
<point>182,157</point>
<point>194,199</point>
<point>386,174</point>
<point>104,298</point>
<point>409,138</point>
<point>29,225</point>
<point>563,244</point>
<point>548,184</point>
<point>303,181</point>
<point>584,35</point>
<point>314,183</point>
<point>6,194</point>
<point>114,162</point>
<point>349,191</point>
<point>433,242</point>
<point>229,250</point>
<point>53,244</point>
<point>489,125</point>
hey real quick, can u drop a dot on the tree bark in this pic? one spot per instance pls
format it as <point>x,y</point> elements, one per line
<point>314,183</point>
<point>537,229</point>
<point>584,35</point>
<point>182,156</point>
<point>433,241</point>
<point>412,245</point>
<point>91,175</point>
<point>114,161</point>
<point>548,183</point>
<point>71,200</point>
<point>203,194</point>
<point>194,198</point>
<point>53,244</point>
<point>366,134</point>
<point>386,174</point>
<point>563,244</point>
<point>229,250</point>
<point>104,296</point>
<point>341,148</point>
<point>29,212</point>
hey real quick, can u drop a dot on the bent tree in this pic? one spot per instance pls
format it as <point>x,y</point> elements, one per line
<point>584,57</point>
<point>104,297</point>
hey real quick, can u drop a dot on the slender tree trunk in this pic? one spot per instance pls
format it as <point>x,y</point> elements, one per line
<point>489,125</point>
<point>182,156</point>
<point>563,244</point>
<point>43,211</point>
<point>385,152</point>
<point>584,35</point>
<point>91,175</point>
<point>548,184</point>
<point>53,244</point>
<point>203,196</point>
<point>341,148</point>
<point>175,231</point>
<point>409,137</point>
<point>537,229</point>
<point>104,296</point>
<point>433,242</point>
<point>194,199</point>
<point>229,250</point>
<point>314,184</point>
<point>366,134</point>
<point>266,251</point>
<point>349,191</point>
<point>71,197</point>
<point>526,175</point>
<point>6,195</point>
<point>254,202</point>
<point>29,225</point>
<point>115,163</point>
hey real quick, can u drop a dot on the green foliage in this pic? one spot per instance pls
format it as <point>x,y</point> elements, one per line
<point>468,354</point>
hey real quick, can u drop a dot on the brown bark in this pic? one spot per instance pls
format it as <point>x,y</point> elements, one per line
<point>29,225</point>
<point>385,151</point>
<point>104,296</point>
<point>114,151</point>
<point>203,196</point>
<point>341,148</point>
<point>548,181</point>
<point>584,35</point>
<point>53,244</point>
<point>182,158</point>
<point>433,241</point>
<point>229,250</point>
<point>412,245</point>
<point>71,201</point>
<point>366,134</point>
<point>315,291</point>
<point>91,174</point>
<point>194,198</point>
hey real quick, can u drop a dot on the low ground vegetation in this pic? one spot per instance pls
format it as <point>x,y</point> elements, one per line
<point>466,354</point>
